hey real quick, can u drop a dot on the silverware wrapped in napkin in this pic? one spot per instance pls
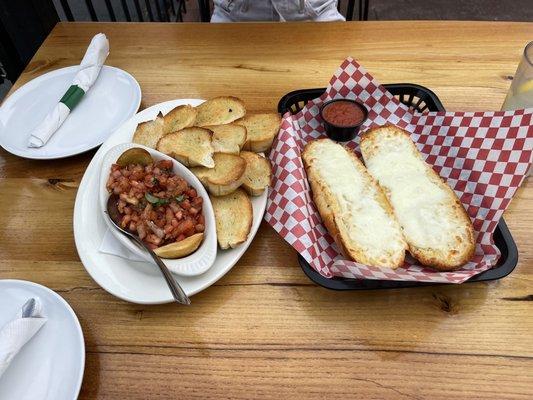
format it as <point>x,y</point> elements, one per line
<point>87,74</point>
<point>16,333</point>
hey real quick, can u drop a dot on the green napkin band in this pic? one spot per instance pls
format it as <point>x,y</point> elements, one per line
<point>72,96</point>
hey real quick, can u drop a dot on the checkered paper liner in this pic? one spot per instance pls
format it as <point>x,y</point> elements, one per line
<point>484,156</point>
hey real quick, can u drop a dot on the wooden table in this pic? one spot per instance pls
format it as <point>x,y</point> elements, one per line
<point>265,330</point>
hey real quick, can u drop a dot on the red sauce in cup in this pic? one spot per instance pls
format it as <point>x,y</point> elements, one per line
<point>343,113</point>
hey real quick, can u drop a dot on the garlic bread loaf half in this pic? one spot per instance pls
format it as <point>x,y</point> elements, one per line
<point>233,218</point>
<point>219,111</point>
<point>228,138</point>
<point>190,146</point>
<point>261,129</point>
<point>434,222</point>
<point>353,207</point>
<point>258,173</point>
<point>226,176</point>
<point>148,133</point>
<point>179,117</point>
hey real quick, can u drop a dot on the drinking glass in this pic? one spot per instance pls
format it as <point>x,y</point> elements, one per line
<point>520,93</point>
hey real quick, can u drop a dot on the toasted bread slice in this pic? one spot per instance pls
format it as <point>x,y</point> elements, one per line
<point>261,130</point>
<point>190,146</point>
<point>258,173</point>
<point>220,111</point>
<point>353,207</point>
<point>233,216</point>
<point>225,177</point>
<point>148,133</point>
<point>435,224</point>
<point>179,118</point>
<point>228,138</point>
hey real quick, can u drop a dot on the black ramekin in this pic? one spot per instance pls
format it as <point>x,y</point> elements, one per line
<point>343,133</point>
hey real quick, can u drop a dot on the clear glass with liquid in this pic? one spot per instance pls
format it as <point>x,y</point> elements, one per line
<point>520,93</point>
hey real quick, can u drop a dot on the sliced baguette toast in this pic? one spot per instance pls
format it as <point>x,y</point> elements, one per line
<point>233,217</point>
<point>228,138</point>
<point>261,129</point>
<point>434,223</point>
<point>220,111</point>
<point>190,146</point>
<point>226,176</point>
<point>353,207</point>
<point>148,133</point>
<point>258,173</point>
<point>179,118</point>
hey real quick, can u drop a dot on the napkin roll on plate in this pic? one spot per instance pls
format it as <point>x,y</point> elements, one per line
<point>16,333</point>
<point>88,71</point>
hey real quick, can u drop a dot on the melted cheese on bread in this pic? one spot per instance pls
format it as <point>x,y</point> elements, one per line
<point>435,225</point>
<point>352,205</point>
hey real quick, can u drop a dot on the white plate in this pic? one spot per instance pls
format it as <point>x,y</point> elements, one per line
<point>113,99</point>
<point>50,366</point>
<point>139,282</point>
<point>196,263</point>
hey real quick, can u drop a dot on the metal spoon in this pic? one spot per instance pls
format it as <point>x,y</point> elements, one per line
<point>175,288</point>
<point>28,308</point>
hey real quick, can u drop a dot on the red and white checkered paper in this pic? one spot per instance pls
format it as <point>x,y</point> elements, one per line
<point>484,156</point>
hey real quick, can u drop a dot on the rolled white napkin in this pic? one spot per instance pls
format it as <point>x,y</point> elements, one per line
<point>88,71</point>
<point>15,334</point>
<point>110,245</point>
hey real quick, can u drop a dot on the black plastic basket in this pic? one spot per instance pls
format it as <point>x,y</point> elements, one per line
<point>420,99</point>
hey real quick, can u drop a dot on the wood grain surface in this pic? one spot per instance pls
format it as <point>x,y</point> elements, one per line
<point>264,330</point>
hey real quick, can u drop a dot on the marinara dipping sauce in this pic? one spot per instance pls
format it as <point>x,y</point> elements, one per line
<point>343,118</point>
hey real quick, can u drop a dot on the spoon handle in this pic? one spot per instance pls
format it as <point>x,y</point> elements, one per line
<point>177,291</point>
<point>175,288</point>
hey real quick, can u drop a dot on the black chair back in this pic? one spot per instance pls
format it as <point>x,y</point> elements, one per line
<point>362,11</point>
<point>126,10</point>
<point>25,24</point>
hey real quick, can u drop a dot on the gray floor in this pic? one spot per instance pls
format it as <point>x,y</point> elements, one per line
<point>482,10</point>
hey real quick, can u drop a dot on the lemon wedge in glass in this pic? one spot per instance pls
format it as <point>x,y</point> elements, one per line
<point>527,86</point>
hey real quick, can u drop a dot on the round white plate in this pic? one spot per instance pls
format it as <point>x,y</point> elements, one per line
<point>139,282</point>
<point>113,99</point>
<point>50,366</point>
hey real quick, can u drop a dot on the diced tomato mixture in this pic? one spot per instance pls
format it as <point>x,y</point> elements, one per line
<point>156,204</point>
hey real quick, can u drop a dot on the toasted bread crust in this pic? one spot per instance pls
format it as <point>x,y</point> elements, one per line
<point>262,128</point>
<point>226,176</point>
<point>190,146</point>
<point>229,138</point>
<point>220,111</point>
<point>234,217</point>
<point>444,256</point>
<point>258,173</point>
<point>259,146</point>
<point>325,203</point>
<point>329,209</point>
<point>148,133</point>
<point>179,118</point>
